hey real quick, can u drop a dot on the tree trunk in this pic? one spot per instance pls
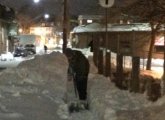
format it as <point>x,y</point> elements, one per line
<point>149,60</point>
<point>163,92</point>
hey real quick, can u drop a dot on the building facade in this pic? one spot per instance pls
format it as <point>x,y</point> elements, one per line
<point>8,28</point>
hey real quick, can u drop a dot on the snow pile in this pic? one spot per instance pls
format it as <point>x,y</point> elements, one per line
<point>106,99</point>
<point>36,89</point>
<point>153,112</point>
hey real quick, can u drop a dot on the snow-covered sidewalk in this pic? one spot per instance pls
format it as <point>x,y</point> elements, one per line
<point>35,90</point>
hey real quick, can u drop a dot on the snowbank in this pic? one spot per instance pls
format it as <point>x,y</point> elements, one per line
<point>106,99</point>
<point>35,90</point>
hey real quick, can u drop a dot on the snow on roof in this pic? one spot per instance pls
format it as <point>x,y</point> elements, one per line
<point>80,17</point>
<point>88,28</point>
<point>96,27</point>
<point>130,27</point>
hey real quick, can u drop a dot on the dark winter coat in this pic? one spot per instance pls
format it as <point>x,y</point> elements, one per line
<point>78,63</point>
<point>78,69</point>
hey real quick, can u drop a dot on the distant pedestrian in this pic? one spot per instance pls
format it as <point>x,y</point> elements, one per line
<point>45,49</point>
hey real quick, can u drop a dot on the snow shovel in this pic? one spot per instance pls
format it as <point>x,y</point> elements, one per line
<point>73,107</point>
<point>71,94</point>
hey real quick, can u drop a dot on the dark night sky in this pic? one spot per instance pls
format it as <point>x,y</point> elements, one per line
<point>54,7</point>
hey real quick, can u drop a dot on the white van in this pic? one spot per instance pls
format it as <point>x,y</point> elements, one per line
<point>28,40</point>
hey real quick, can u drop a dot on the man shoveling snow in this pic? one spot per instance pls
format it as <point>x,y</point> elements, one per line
<point>78,72</point>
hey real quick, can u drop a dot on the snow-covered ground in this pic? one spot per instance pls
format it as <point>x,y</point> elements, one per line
<point>36,88</point>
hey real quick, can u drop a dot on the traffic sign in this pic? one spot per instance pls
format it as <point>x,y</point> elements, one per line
<point>106,3</point>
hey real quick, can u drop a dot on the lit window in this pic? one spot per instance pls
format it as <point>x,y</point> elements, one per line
<point>89,21</point>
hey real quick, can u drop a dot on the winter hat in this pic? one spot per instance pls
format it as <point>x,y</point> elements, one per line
<point>68,52</point>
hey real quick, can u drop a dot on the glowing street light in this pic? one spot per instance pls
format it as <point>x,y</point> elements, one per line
<point>36,1</point>
<point>20,30</point>
<point>46,16</point>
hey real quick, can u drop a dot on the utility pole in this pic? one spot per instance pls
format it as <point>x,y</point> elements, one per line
<point>163,91</point>
<point>107,4</point>
<point>65,23</point>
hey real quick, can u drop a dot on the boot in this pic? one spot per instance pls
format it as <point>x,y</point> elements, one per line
<point>83,105</point>
<point>73,107</point>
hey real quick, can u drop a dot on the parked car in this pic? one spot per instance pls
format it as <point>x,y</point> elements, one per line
<point>31,49</point>
<point>20,51</point>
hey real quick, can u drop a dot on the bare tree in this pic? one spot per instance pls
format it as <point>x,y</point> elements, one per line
<point>152,11</point>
